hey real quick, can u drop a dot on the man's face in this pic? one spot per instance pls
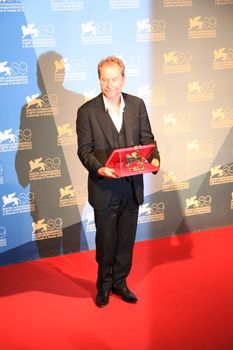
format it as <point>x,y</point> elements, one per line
<point>111,80</point>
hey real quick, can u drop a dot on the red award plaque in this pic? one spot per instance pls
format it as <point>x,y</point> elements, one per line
<point>131,160</point>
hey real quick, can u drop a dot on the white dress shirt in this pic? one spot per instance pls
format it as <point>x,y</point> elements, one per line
<point>117,117</point>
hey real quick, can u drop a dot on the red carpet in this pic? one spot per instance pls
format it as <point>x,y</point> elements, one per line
<point>184,285</point>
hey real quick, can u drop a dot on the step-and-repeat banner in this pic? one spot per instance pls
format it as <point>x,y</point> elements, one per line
<point>179,58</point>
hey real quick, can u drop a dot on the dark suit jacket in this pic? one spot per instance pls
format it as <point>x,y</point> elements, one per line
<point>95,144</point>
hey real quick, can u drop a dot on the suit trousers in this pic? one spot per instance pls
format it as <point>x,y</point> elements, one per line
<point>115,236</point>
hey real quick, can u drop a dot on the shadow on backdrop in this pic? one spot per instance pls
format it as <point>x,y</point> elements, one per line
<point>51,164</point>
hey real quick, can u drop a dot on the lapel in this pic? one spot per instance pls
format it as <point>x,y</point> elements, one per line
<point>104,120</point>
<point>128,121</point>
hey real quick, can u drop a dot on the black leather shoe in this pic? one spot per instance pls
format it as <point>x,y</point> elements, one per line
<point>125,294</point>
<point>102,298</point>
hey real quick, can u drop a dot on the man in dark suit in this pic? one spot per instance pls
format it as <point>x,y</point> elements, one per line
<point>113,120</point>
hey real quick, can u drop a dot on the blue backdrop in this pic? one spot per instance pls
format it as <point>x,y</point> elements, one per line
<point>179,59</point>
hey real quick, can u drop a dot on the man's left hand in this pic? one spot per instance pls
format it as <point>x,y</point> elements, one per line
<point>155,162</point>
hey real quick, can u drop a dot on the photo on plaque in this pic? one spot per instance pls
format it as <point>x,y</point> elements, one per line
<point>131,160</point>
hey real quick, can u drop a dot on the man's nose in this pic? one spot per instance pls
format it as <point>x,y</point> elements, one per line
<point>109,84</point>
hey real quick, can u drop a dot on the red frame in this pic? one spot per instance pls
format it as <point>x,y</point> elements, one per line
<point>131,160</point>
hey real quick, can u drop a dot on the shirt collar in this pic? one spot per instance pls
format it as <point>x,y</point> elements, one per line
<point>108,106</point>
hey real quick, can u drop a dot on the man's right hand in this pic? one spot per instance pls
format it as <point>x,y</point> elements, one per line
<point>107,172</point>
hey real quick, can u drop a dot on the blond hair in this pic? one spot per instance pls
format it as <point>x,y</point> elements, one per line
<point>112,60</point>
